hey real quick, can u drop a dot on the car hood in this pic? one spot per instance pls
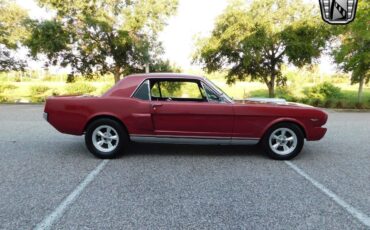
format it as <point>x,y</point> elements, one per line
<point>271,101</point>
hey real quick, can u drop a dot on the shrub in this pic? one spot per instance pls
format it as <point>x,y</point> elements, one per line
<point>315,102</point>
<point>328,103</point>
<point>4,87</point>
<point>38,89</point>
<point>55,92</point>
<point>3,99</point>
<point>70,78</point>
<point>330,90</point>
<point>286,93</point>
<point>79,88</point>
<point>303,100</point>
<point>38,99</point>
<point>38,93</point>
<point>360,105</point>
<point>323,91</point>
<point>105,88</point>
<point>339,105</point>
<point>258,93</point>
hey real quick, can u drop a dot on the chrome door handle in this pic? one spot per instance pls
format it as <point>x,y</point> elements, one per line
<point>154,106</point>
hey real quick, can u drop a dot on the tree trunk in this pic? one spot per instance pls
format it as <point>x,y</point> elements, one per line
<point>147,68</point>
<point>360,89</point>
<point>271,87</point>
<point>117,74</point>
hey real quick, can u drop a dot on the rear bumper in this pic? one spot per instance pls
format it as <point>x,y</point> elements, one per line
<point>316,133</point>
<point>45,116</point>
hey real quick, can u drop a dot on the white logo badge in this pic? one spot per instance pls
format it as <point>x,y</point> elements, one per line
<point>338,11</point>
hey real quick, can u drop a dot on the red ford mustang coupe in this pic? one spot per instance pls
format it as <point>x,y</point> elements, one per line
<point>182,109</point>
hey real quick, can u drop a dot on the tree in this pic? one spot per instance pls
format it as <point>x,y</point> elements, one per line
<point>161,66</point>
<point>8,62</point>
<point>13,20</point>
<point>102,36</point>
<point>255,40</point>
<point>353,54</point>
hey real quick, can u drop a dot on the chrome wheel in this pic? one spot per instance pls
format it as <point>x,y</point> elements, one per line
<point>283,141</point>
<point>105,138</point>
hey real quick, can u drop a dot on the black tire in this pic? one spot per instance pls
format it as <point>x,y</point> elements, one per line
<point>294,148</point>
<point>120,145</point>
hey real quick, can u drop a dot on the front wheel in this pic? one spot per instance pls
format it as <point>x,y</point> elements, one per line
<point>106,138</point>
<point>283,141</point>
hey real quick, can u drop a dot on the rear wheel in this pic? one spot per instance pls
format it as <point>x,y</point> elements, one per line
<point>106,138</point>
<point>283,141</point>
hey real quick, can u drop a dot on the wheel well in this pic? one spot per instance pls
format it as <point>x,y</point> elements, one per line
<point>291,122</point>
<point>107,117</point>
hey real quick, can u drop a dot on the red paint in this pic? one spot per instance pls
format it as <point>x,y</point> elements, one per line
<point>250,120</point>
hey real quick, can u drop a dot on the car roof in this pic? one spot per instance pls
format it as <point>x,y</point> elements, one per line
<point>166,75</point>
<point>127,86</point>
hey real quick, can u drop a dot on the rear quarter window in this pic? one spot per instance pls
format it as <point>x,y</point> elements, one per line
<point>142,92</point>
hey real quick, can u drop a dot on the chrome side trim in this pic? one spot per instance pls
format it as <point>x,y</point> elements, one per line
<point>193,140</point>
<point>244,141</point>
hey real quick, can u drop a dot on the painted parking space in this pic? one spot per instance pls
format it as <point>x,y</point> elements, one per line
<point>169,186</point>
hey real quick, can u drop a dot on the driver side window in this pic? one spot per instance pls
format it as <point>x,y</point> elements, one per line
<point>177,90</point>
<point>211,95</point>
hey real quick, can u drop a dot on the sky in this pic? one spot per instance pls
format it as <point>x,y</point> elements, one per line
<point>194,18</point>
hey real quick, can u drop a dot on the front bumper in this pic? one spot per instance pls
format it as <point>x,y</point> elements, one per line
<point>316,133</point>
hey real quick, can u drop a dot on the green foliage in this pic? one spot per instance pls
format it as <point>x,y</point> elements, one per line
<point>105,88</point>
<point>38,89</point>
<point>13,20</point>
<point>5,91</point>
<point>102,36</point>
<point>258,93</point>
<point>6,87</point>
<point>10,93</point>
<point>38,93</point>
<point>353,55</point>
<point>254,40</point>
<point>328,103</point>
<point>285,93</point>
<point>3,99</point>
<point>339,104</point>
<point>8,61</point>
<point>360,105</point>
<point>42,35</point>
<point>13,31</point>
<point>323,91</point>
<point>161,66</point>
<point>70,78</point>
<point>37,99</point>
<point>79,88</point>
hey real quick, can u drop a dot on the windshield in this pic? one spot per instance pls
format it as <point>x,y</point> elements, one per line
<point>218,90</point>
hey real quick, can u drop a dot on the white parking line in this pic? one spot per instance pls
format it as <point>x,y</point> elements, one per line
<point>49,220</point>
<point>362,217</point>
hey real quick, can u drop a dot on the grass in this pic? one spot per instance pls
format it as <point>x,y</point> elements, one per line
<point>33,92</point>
<point>36,90</point>
<point>347,98</point>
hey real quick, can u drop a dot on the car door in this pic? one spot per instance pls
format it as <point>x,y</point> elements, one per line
<point>180,108</point>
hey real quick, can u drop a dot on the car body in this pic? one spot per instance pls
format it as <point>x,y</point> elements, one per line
<point>182,109</point>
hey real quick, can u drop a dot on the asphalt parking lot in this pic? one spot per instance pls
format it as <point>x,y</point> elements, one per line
<point>50,180</point>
